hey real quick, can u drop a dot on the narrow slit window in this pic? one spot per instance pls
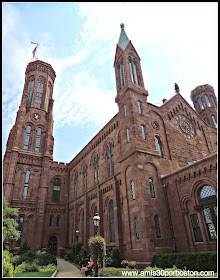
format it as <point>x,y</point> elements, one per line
<point>136,229</point>
<point>158,146</point>
<point>127,135</point>
<point>37,141</point>
<point>132,190</point>
<point>143,132</point>
<point>140,108</point>
<point>39,93</point>
<point>206,120</point>
<point>207,100</point>
<point>26,184</point>
<point>125,111</point>
<point>111,221</point>
<point>56,190</point>
<point>51,221</point>
<point>200,103</point>
<point>30,92</point>
<point>135,72</point>
<point>58,221</point>
<point>214,121</point>
<point>157,226</point>
<point>196,228</point>
<point>131,69</point>
<point>151,185</point>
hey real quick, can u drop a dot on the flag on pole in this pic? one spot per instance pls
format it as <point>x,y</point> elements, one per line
<point>34,51</point>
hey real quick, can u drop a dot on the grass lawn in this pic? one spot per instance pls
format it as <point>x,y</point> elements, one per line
<point>35,274</point>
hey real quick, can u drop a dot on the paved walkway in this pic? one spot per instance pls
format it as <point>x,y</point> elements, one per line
<point>67,269</point>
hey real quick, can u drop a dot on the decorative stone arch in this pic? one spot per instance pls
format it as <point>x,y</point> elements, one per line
<point>154,167</point>
<point>52,243</point>
<point>107,141</point>
<point>96,152</point>
<point>106,216</point>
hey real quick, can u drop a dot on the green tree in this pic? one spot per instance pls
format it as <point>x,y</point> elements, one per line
<point>9,225</point>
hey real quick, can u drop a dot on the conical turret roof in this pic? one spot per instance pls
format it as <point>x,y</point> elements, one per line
<point>123,39</point>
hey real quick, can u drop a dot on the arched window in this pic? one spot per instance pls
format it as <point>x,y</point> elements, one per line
<point>26,183</point>
<point>56,190</point>
<point>20,228</point>
<point>121,73</point>
<point>143,132</point>
<point>157,226</point>
<point>27,137</point>
<point>136,229</point>
<point>111,221</point>
<point>39,93</point>
<point>30,92</point>
<point>200,103</point>
<point>37,141</point>
<point>75,185</point>
<point>214,121</point>
<point>151,185</point>
<point>132,190</point>
<point>139,108</point>
<point>127,135</point>
<point>131,69</point>
<point>96,169</point>
<point>84,179</point>
<point>83,228</point>
<point>208,202</point>
<point>158,145</point>
<point>125,111</point>
<point>110,160</point>
<point>214,100</point>
<point>47,97</point>
<point>206,120</point>
<point>207,100</point>
<point>135,72</point>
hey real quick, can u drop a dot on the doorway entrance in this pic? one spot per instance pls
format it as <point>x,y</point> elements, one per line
<point>52,245</point>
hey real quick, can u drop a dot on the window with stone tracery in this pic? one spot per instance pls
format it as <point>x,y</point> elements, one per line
<point>39,93</point>
<point>30,91</point>
<point>27,137</point>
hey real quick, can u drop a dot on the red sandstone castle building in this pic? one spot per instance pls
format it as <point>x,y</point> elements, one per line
<point>150,172</point>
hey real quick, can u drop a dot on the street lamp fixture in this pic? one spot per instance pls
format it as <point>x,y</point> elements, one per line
<point>77,235</point>
<point>96,220</point>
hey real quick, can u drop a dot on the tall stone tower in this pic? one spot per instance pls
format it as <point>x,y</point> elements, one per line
<point>204,101</point>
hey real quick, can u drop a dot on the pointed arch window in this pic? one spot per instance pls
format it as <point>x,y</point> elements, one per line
<point>214,101</point>
<point>47,97</point>
<point>157,226</point>
<point>127,135</point>
<point>125,111</point>
<point>26,184</point>
<point>207,100</point>
<point>121,73</point>
<point>37,141</point>
<point>110,160</point>
<point>83,228</point>
<point>200,103</point>
<point>143,130</point>
<point>75,185</point>
<point>27,137</point>
<point>85,178</point>
<point>56,190</point>
<point>20,228</point>
<point>132,190</point>
<point>140,108</point>
<point>96,170</point>
<point>30,92</point>
<point>206,121</point>
<point>152,191</point>
<point>135,72</point>
<point>136,228</point>
<point>214,121</point>
<point>158,145</point>
<point>208,202</point>
<point>111,221</point>
<point>131,69</point>
<point>39,93</point>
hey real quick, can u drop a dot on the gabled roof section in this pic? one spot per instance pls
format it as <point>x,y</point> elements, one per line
<point>123,39</point>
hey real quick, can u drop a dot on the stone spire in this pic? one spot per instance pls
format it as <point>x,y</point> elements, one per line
<point>123,39</point>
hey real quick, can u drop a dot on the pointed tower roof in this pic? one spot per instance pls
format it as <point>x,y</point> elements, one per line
<point>123,39</point>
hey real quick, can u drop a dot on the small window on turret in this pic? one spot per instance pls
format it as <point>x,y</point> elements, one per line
<point>207,100</point>
<point>200,103</point>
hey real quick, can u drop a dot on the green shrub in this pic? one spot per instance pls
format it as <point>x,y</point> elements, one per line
<point>20,268</point>
<point>45,259</point>
<point>31,267</point>
<point>172,259</point>
<point>124,263</point>
<point>162,261</point>
<point>24,248</point>
<point>181,261</point>
<point>213,261</point>
<point>8,270</point>
<point>113,258</point>
<point>27,257</point>
<point>49,267</point>
<point>155,260</point>
<point>191,260</point>
<point>202,262</point>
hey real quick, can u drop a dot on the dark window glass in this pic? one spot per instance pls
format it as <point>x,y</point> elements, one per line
<point>51,221</point>
<point>200,103</point>
<point>158,145</point>
<point>84,179</point>
<point>206,120</point>
<point>96,170</point>
<point>196,228</point>
<point>83,228</point>
<point>111,221</point>
<point>75,185</point>
<point>127,135</point>
<point>207,100</point>
<point>132,190</point>
<point>157,226</point>
<point>136,228</point>
<point>143,132</point>
<point>27,177</point>
<point>30,92</point>
<point>208,202</point>
<point>58,221</point>
<point>151,184</point>
<point>27,137</point>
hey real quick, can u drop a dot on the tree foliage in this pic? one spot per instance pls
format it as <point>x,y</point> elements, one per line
<point>9,225</point>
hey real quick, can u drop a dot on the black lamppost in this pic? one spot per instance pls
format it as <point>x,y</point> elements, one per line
<point>77,235</point>
<point>96,220</point>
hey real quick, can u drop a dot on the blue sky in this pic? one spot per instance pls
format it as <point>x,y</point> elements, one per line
<point>177,43</point>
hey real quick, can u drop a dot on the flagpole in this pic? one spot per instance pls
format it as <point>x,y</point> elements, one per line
<point>35,50</point>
